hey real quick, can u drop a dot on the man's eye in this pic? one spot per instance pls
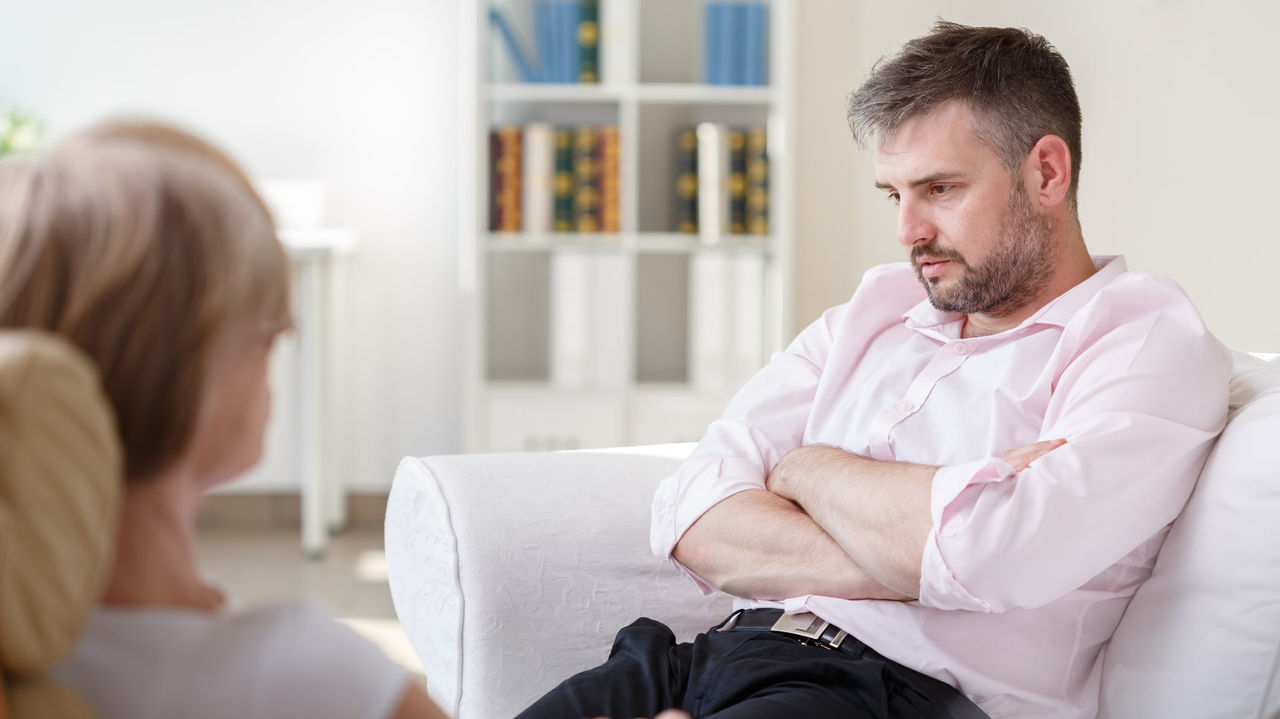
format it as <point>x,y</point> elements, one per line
<point>894,198</point>
<point>941,189</point>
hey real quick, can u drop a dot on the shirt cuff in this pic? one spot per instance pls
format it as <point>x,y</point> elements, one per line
<point>699,485</point>
<point>939,587</point>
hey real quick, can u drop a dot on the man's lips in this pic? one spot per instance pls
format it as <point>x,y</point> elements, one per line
<point>930,267</point>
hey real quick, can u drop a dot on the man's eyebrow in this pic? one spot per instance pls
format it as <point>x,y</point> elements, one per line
<point>944,176</point>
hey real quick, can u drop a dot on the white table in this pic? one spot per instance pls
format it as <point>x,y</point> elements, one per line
<point>317,255</point>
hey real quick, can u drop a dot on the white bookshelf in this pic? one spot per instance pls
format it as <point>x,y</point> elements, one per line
<point>517,397</point>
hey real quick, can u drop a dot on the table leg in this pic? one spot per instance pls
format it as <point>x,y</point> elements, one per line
<point>310,411</point>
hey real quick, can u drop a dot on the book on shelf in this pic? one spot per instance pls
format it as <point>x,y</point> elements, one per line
<point>721,183</point>
<point>757,181</point>
<point>505,156</point>
<point>563,187</point>
<point>746,342</point>
<point>524,67</point>
<point>586,179</point>
<point>544,178</point>
<point>588,37</point>
<point>567,41</point>
<point>710,320</point>
<point>566,46</point>
<point>538,186</point>
<point>737,181</point>
<point>713,181</point>
<point>570,285</point>
<point>609,332</point>
<point>726,304</point>
<point>587,332</point>
<point>686,181</point>
<point>610,179</point>
<point>545,30</point>
<point>716,46</point>
<point>753,56</point>
<point>493,181</point>
<point>735,43</point>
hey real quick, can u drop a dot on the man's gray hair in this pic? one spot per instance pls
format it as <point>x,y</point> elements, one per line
<point>1017,85</point>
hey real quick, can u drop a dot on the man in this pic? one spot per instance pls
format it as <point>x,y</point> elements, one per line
<point>953,483</point>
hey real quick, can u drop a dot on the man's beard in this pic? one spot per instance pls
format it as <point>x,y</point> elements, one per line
<point>1012,277</point>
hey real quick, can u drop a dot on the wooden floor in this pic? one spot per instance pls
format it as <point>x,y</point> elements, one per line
<point>255,565</point>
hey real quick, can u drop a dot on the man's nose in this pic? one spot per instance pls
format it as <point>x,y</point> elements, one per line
<point>915,226</point>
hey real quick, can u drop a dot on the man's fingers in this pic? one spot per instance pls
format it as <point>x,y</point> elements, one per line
<point>1021,457</point>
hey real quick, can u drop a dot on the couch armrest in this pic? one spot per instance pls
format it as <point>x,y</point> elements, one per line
<point>511,572</point>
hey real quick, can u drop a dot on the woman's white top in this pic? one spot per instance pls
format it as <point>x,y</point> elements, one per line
<point>281,661</point>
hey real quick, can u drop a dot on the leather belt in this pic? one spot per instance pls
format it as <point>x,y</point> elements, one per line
<point>808,628</point>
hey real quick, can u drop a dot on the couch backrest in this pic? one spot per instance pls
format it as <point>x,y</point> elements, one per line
<point>1201,638</point>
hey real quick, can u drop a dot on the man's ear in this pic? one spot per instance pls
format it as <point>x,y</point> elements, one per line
<point>1047,171</point>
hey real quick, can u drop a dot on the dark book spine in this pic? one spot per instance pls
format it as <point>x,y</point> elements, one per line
<point>686,181</point>
<point>610,189</point>
<point>757,182</point>
<point>563,217</point>
<point>505,216</point>
<point>493,180</point>
<point>589,42</point>
<point>586,179</point>
<point>737,181</point>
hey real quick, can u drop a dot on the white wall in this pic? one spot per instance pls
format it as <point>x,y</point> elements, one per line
<point>359,93</point>
<point>1181,110</point>
<point>1179,101</point>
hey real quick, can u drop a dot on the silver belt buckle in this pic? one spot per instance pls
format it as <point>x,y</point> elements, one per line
<point>809,626</point>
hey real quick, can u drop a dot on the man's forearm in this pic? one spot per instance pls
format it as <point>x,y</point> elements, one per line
<point>877,512</point>
<point>758,545</point>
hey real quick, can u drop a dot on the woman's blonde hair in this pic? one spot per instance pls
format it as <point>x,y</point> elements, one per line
<point>149,249</point>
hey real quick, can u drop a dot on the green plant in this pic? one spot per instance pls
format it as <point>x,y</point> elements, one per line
<point>20,131</point>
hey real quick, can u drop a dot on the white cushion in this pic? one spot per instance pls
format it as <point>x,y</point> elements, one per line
<point>511,572</point>
<point>1200,639</point>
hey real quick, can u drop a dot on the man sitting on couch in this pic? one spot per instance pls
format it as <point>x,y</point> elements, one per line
<point>944,493</point>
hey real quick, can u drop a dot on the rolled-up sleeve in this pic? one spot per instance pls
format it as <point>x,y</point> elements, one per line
<point>1140,395</point>
<point>763,421</point>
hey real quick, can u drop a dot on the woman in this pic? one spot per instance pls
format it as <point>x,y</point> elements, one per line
<point>149,250</point>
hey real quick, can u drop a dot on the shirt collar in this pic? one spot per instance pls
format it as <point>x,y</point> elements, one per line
<point>1058,311</point>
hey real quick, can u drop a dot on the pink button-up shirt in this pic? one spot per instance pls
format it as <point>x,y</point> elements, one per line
<point>1025,574</point>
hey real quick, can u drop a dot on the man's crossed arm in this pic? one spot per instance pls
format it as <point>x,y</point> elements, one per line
<point>828,522</point>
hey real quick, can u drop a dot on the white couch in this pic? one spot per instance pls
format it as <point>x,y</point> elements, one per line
<point>510,572</point>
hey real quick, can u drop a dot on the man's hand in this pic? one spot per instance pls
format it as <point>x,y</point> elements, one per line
<point>1021,457</point>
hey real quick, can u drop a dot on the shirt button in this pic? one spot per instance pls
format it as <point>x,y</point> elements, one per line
<point>959,349</point>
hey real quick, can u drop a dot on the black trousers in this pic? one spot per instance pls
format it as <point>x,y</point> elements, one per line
<point>747,674</point>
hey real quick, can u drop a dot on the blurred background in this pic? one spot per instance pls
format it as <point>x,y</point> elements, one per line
<point>375,104</point>
<point>1180,114</point>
